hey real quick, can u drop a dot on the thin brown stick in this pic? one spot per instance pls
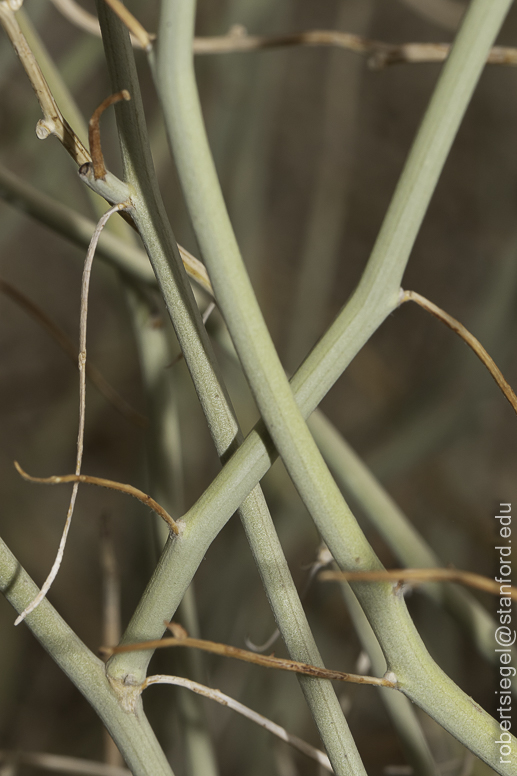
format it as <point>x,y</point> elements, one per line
<point>68,347</point>
<point>103,483</point>
<point>380,54</point>
<point>467,337</point>
<point>226,700</point>
<point>267,661</point>
<point>467,578</point>
<point>94,132</point>
<point>53,122</point>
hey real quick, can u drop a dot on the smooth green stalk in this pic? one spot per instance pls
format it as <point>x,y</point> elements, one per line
<point>153,226</point>
<point>399,709</point>
<point>377,293</point>
<point>125,721</point>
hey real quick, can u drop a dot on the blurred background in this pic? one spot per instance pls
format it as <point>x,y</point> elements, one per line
<point>309,144</point>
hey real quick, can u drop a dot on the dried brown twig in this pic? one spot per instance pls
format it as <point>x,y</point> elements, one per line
<point>380,54</point>
<point>467,337</point>
<point>467,578</point>
<point>103,483</point>
<point>94,132</point>
<point>181,639</point>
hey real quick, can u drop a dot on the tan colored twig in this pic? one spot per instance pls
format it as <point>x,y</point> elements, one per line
<point>94,132</point>
<point>380,54</point>
<point>180,639</point>
<point>68,347</point>
<point>467,337</point>
<point>53,122</point>
<point>103,483</point>
<point>131,23</point>
<point>467,578</point>
<point>82,408</point>
<point>226,700</point>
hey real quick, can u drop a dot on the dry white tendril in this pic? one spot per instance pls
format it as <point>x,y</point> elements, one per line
<point>82,407</point>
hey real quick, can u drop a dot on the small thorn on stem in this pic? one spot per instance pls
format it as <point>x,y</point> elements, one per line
<point>94,132</point>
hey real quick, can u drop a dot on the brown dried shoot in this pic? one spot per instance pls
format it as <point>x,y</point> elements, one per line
<point>94,132</point>
<point>181,639</point>
<point>467,578</point>
<point>103,483</point>
<point>467,337</point>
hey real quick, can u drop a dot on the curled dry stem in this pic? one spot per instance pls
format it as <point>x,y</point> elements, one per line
<point>467,578</point>
<point>226,700</point>
<point>180,639</point>
<point>103,483</point>
<point>467,337</point>
<point>82,408</point>
<point>94,133</point>
<point>53,122</point>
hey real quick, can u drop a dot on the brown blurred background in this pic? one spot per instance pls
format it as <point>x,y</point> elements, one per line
<point>309,144</point>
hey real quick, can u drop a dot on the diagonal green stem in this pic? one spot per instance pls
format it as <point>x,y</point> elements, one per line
<point>376,296</point>
<point>128,727</point>
<point>149,216</point>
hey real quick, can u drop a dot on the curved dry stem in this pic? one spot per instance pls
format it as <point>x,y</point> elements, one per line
<point>467,337</point>
<point>380,54</point>
<point>226,700</point>
<point>82,410</point>
<point>130,490</point>
<point>267,661</point>
<point>94,132</point>
<point>467,578</point>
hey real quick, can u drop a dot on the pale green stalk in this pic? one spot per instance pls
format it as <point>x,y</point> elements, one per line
<point>377,294</point>
<point>125,722</point>
<point>154,228</point>
<point>400,710</point>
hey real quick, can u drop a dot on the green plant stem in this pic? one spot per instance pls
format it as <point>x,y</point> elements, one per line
<point>399,709</point>
<point>153,226</point>
<point>165,469</point>
<point>127,726</point>
<point>377,294</point>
